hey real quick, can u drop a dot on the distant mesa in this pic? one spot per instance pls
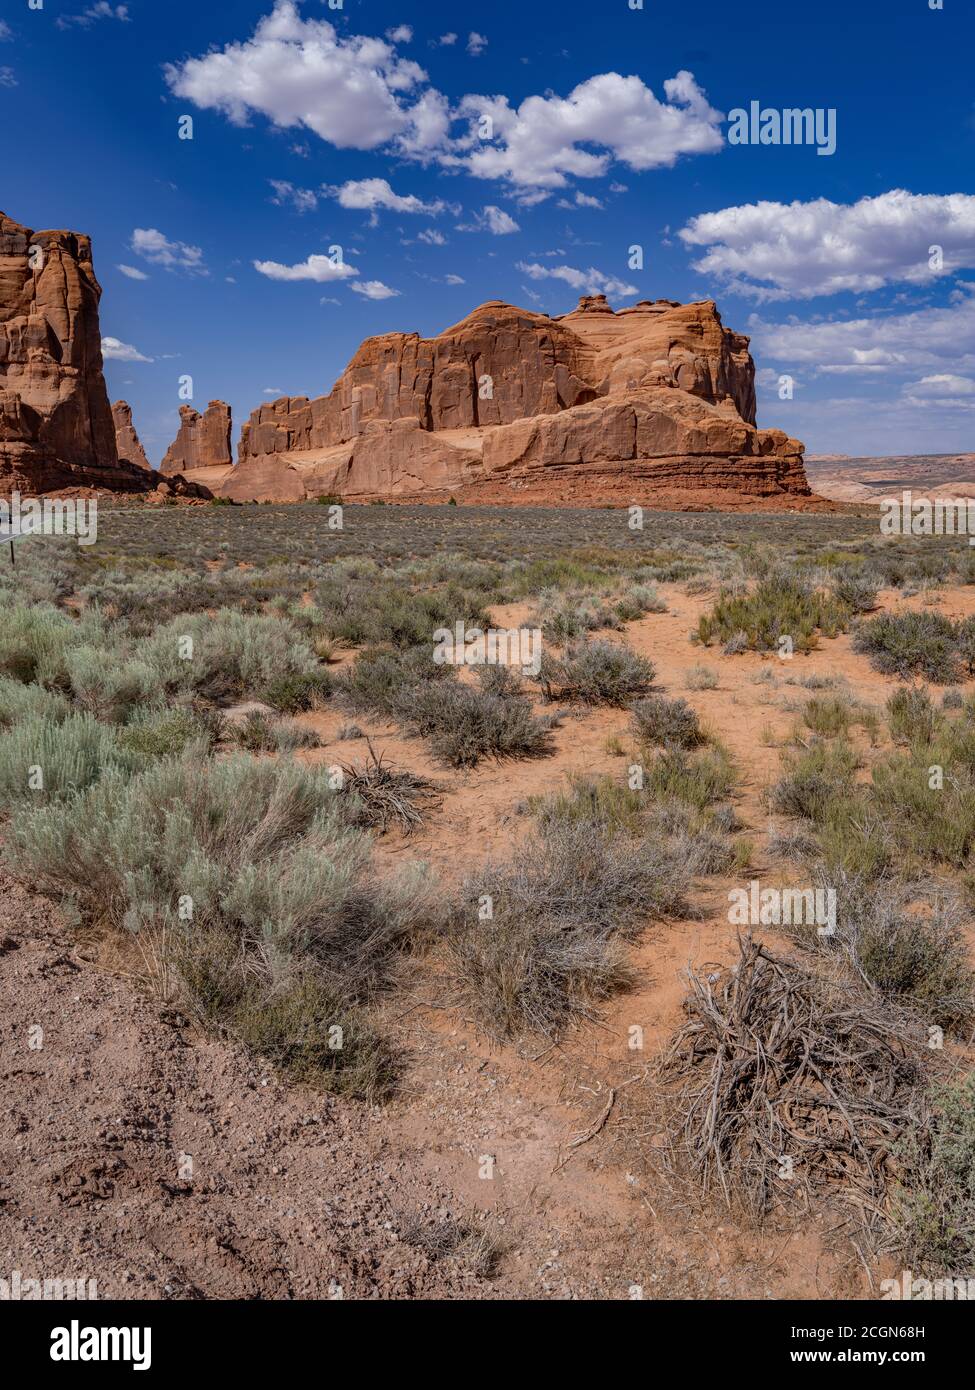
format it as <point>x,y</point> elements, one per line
<point>512,405</point>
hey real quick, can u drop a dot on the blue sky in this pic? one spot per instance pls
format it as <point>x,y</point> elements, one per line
<point>363,127</point>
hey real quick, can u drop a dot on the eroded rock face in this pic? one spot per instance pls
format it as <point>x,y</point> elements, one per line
<point>56,427</point>
<point>203,441</point>
<point>127,441</point>
<point>655,393</point>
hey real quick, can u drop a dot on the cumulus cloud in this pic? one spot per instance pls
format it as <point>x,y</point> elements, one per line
<point>132,272</point>
<point>8,78</point>
<point>540,143</point>
<point>300,72</point>
<point>432,237</point>
<point>369,195</point>
<point>373,289</point>
<point>446,40</point>
<point>455,280</point>
<point>493,220</point>
<point>153,246</point>
<point>774,251</point>
<point>403,33</point>
<point>476,44</point>
<point>942,339</point>
<point>591,281</point>
<point>359,93</point>
<point>113,350</point>
<point>321,269</point>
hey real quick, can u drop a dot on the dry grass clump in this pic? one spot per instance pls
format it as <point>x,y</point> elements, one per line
<point>783,1082</point>
<point>551,946</point>
<point>933,1206</point>
<point>382,795</point>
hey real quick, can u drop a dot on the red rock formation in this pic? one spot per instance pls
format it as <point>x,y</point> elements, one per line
<point>660,395</point>
<point>203,441</point>
<point>56,428</point>
<point>127,441</point>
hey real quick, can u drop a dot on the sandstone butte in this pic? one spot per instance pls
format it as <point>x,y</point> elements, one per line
<point>56,427</point>
<point>202,443</point>
<point>654,403</point>
<point>651,403</point>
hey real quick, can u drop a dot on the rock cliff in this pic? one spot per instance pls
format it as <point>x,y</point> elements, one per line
<point>660,396</point>
<point>203,441</point>
<point>56,427</point>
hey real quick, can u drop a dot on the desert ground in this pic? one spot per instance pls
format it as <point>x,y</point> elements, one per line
<point>562,1072</point>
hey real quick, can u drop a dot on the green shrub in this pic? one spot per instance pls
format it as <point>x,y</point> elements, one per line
<point>934,1206</point>
<point>911,716</point>
<point>596,673</point>
<point>465,723</point>
<point>562,907</point>
<point>814,779</point>
<point>910,644</point>
<point>258,893</point>
<point>672,723</point>
<point>855,589</point>
<point>698,777</point>
<point>779,606</point>
<point>564,615</point>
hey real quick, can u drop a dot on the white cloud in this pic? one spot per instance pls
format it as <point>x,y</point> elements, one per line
<point>371,194</point>
<point>447,40</point>
<point>591,281</point>
<point>100,10</point>
<point>132,272</point>
<point>476,43</point>
<point>491,219</point>
<point>943,391</point>
<point>937,338</point>
<point>432,237</point>
<point>403,33</point>
<point>115,351</point>
<point>358,93</point>
<point>301,199</point>
<point>373,289</point>
<point>540,143</point>
<point>321,269</point>
<point>273,391</point>
<point>300,72</point>
<point>456,280</point>
<point>773,251</point>
<point>942,384</point>
<point>6,33</point>
<point>8,78</point>
<point>153,246</point>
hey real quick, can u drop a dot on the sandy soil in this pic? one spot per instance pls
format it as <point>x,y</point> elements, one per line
<point>295,1195</point>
